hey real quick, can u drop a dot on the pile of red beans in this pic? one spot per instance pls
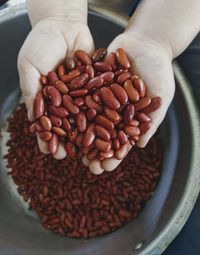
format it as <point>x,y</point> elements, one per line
<point>70,200</point>
<point>93,105</point>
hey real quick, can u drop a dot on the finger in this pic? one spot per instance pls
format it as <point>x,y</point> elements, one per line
<point>95,167</point>
<point>61,152</point>
<point>43,146</point>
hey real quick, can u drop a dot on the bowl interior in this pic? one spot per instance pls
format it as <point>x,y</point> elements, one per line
<point>21,234</point>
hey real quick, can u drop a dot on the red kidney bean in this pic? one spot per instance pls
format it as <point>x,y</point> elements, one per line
<point>92,104</point>
<point>38,126</point>
<point>53,144</point>
<point>60,111</point>
<point>79,101</point>
<point>89,136</point>
<point>107,76</point>
<point>143,103</point>
<point>66,125</point>
<point>46,123</point>
<point>105,122</point>
<point>139,85</point>
<point>59,131</point>
<point>113,133</point>
<point>70,76</point>
<point>61,70</point>
<point>52,77</point>
<point>119,93</point>
<point>60,85</point>
<point>109,99</point>
<point>45,135</point>
<point>38,108</point>
<point>81,121</point>
<point>83,57</point>
<point>56,121</point>
<point>144,127</point>
<point>72,134</point>
<point>122,58</point>
<point>123,77</point>
<point>96,98</point>
<point>91,114</point>
<point>132,93</point>
<point>131,130</point>
<point>134,123</point>
<point>70,63</point>
<point>112,60</point>
<point>122,151</point>
<point>71,150</point>
<point>111,114</point>
<point>116,144</point>
<point>44,92</point>
<point>78,82</point>
<point>102,132</point>
<point>96,82</point>
<point>99,54</point>
<point>67,102</point>
<point>128,113</point>
<point>155,104</point>
<point>43,80</point>
<point>102,145</point>
<point>120,71</point>
<point>54,96</point>
<point>90,71</point>
<point>93,154</point>
<point>142,117</point>
<point>78,93</point>
<point>122,137</point>
<point>102,67</point>
<point>108,154</point>
<point>79,140</point>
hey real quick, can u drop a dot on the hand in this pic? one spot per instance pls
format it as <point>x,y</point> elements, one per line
<point>50,40</point>
<point>153,64</point>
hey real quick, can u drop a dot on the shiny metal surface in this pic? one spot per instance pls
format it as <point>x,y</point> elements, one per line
<point>168,210</point>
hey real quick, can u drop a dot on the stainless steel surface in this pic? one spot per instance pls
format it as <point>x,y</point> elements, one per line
<point>168,210</point>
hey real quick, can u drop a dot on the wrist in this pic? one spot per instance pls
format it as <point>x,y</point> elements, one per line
<point>72,10</point>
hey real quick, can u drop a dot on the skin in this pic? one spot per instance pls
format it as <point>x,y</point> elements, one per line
<point>154,36</point>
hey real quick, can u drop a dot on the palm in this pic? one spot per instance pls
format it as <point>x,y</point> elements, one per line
<point>46,46</point>
<point>149,62</point>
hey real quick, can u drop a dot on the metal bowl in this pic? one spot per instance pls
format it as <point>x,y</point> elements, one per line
<point>165,213</point>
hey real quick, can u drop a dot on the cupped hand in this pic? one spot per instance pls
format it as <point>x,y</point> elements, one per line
<point>152,63</point>
<point>50,40</point>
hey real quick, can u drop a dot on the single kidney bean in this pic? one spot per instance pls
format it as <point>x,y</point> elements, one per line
<point>61,70</point>
<point>112,60</point>
<point>119,93</point>
<point>96,82</point>
<point>54,96</point>
<point>81,69</point>
<point>102,67</point>
<point>53,144</point>
<point>122,137</point>
<point>134,77</point>
<point>44,92</point>
<point>70,63</point>
<point>59,131</point>
<point>99,54</point>
<point>83,57</point>
<point>108,154</point>
<point>43,80</point>
<point>89,136</point>
<point>120,71</point>
<point>156,102</point>
<point>122,58</point>
<point>81,121</point>
<point>122,151</point>
<point>78,82</point>
<point>92,154</point>
<point>67,102</point>
<point>142,117</point>
<point>132,93</point>
<point>46,123</point>
<point>78,93</point>
<point>102,145</point>
<point>56,121</point>
<point>116,144</point>
<point>108,98</point>
<point>103,133</point>
<point>105,122</point>
<point>72,135</point>
<point>123,77</point>
<point>131,130</point>
<point>60,111</point>
<point>128,113</point>
<point>92,104</point>
<point>143,103</point>
<point>71,150</point>
<point>66,125</point>
<point>70,76</point>
<point>45,135</point>
<point>111,114</point>
<point>52,77</point>
<point>107,76</point>
<point>144,127</point>
<point>113,133</point>
<point>60,85</point>
<point>38,107</point>
<point>134,123</point>
<point>140,86</point>
<point>90,71</point>
<point>91,114</point>
<point>96,97</point>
